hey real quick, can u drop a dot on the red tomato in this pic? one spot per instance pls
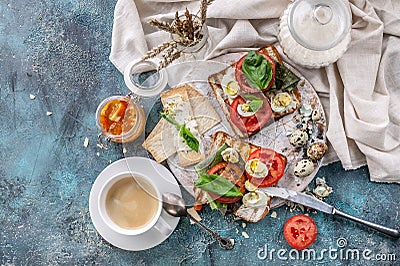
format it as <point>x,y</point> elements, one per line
<point>253,123</point>
<point>276,167</point>
<point>234,174</point>
<point>300,231</point>
<point>241,77</point>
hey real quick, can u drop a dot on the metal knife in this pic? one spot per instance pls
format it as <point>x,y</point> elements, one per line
<point>310,201</point>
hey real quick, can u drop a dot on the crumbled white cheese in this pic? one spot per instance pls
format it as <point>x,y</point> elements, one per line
<point>245,235</point>
<point>194,214</point>
<point>32,97</point>
<point>232,241</point>
<point>49,113</point>
<point>86,142</point>
<point>98,153</point>
<point>124,150</point>
<point>273,214</point>
<point>243,225</point>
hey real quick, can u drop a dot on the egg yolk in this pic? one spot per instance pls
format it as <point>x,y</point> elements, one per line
<point>282,100</point>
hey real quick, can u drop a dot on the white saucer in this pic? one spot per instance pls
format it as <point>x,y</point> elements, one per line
<point>164,181</point>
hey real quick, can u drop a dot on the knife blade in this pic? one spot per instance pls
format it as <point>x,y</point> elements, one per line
<point>317,204</point>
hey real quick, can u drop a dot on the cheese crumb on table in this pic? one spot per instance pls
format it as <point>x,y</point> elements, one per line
<point>245,235</point>
<point>194,214</point>
<point>243,225</point>
<point>273,214</point>
<point>49,113</point>
<point>86,142</point>
<point>32,97</point>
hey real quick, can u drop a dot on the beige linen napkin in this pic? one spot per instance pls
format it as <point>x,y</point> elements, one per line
<point>360,93</point>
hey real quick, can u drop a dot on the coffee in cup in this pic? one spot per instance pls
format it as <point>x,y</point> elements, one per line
<point>130,204</point>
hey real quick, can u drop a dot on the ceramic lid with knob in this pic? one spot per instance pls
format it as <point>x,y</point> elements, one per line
<point>315,33</point>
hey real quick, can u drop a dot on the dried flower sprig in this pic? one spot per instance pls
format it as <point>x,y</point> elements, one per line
<point>187,28</point>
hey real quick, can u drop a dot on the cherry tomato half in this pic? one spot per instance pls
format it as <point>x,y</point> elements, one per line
<point>300,231</point>
<point>276,167</point>
<point>241,77</point>
<point>234,174</point>
<point>253,123</point>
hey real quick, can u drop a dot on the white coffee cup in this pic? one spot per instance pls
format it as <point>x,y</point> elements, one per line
<point>119,193</point>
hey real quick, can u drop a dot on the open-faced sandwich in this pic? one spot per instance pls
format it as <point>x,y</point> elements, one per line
<point>187,115</point>
<point>230,177</point>
<point>255,90</point>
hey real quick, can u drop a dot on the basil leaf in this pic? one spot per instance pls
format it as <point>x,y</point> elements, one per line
<point>257,70</point>
<point>215,204</point>
<point>171,120</point>
<point>218,156</point>
<point>250,97</point>
<point>284,77</point>
<point>188,137</point>
<point>255,105</point>
<point>218,185</point>
<point>184,132</point>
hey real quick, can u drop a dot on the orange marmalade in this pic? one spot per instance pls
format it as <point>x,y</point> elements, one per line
<point>120,119</point>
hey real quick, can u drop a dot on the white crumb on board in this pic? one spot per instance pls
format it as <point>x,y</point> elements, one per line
<point>49,113</point>
<point>245,235</point>
<point>273,214</point>
<point>243,225</point>
<point>32,97</point>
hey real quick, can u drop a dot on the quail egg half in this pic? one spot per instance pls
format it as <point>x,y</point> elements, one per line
<point>245,110</point>
<point>282,102</point>
<point>230,155</point>
<point>255,199</point>
<point>256,168</point>
<point>230,85</point>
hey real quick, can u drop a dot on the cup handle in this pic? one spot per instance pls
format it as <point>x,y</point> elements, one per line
<point>163,227</point>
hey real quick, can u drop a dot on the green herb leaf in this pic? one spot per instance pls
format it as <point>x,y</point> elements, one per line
<point>250,97</point>
<point>188,137</point>
<point>257,70</point>
<point>255,102</point>
<point>214,205</point>
<point>171,120</point>
<point>218,185</point>
<point>284,77</point>
<point>255,105</point>
<point>184,132</point>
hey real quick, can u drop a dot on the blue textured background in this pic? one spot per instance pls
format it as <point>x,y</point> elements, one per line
<point>58,51</point>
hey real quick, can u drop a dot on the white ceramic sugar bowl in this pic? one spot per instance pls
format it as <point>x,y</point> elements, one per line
<point>315,33</point>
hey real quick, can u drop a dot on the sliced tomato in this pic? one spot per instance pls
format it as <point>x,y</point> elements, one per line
<point>253,123</point>
<point>276,167</point>
<point>300,231</point>
<point>241,77</point>
<point>233,173</point>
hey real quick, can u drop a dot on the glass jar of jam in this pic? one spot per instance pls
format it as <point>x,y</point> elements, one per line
<point>120,119</point>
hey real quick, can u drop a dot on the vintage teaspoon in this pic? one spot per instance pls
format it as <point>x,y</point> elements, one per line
<point>176,206</point>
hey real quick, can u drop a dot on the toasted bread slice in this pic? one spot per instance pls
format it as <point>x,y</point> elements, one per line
<point>250,214</point>
<point>160,142</point>
<point>215,81</point>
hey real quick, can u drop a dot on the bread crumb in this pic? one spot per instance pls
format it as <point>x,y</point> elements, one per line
<point>124,150</point>
<point>49,113</point>
<point>245,235</point>
<point>86,142</point>
<point>194,214</point>
<point>32,97</point>
<point>273,214</point>
<point>243,225</point>
<point>232,241</point>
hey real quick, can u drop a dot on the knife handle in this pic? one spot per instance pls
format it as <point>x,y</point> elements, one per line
<point>389,231</point>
